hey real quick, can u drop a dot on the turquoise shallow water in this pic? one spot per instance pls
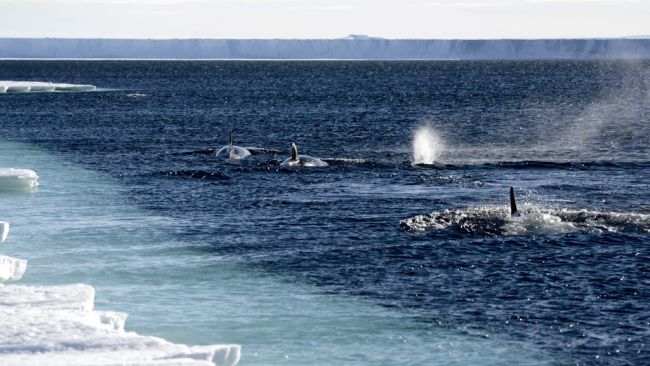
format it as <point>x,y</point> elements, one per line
<point>79,227</point>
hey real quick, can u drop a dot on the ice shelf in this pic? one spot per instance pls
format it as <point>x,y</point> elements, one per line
<point>355,47</point>
<point>11,269</point>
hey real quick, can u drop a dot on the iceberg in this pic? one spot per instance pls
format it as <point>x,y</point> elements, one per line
<point>12,179</point>
<point>8,86</point>
<point>11,269</point>
<point>37,86</point>
<point>74,87</point>
<point>56,325</point>
<point>16,87</point>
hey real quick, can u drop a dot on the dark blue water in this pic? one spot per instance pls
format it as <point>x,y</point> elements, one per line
<point>570,276</point>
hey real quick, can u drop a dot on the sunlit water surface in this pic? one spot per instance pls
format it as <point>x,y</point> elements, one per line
<point>401,251</point>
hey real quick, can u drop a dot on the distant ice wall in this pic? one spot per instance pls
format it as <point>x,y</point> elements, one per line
<point>345,48</point>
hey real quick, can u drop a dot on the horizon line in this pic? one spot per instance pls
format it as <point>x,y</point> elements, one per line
<point>346,38</point>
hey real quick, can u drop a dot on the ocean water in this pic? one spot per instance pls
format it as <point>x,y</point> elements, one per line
<point>401,251</point>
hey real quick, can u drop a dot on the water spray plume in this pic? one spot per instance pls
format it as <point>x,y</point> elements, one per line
<point>427,146</point>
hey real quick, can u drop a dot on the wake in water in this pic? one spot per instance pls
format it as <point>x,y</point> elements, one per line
<point>191,174</point>
<point>427,146</point>
<point>532,220</point>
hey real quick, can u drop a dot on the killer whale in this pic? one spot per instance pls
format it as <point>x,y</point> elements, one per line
<point>233,152</point>
<point>297,160</point>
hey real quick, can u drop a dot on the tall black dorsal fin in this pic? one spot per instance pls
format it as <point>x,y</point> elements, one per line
<point>230,145</point>
<point>513,204</point>
<point>294,152</point>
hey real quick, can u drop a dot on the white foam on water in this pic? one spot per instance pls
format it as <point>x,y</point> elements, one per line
<point>55,325</point>
<point>537,222</point>
<point>186,293</point>
<point>427,145</point>
<point>531,220</point>
<point>8,86</point>
<point>11,269</point>
<point>17,179</point>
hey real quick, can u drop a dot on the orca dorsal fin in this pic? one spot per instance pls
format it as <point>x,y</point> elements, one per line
<point>294,152</point>
<point>230,145</point>
<point>513,204</point>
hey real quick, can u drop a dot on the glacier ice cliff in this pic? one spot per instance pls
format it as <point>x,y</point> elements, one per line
<point>355,48</point>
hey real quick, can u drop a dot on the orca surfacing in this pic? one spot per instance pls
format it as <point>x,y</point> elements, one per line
<point>513,204</point>
<point>301,160</point>
<point>233,152</point>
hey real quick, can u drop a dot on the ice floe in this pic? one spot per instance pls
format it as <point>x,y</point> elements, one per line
<point>533,220</point>
<point>17,179</point>
<point>11,269</point>
<point>4,230</point>
<point>56,325</point>
<point>74,87</point>
<point>7,86</point>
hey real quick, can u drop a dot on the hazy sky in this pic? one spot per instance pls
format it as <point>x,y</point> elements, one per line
<point>324,19</point>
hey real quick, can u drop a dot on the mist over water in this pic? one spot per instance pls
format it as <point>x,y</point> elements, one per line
<point>427,145</point>
<point>617,110</point>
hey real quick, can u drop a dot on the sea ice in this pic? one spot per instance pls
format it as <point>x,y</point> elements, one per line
<point>37,86</point>
<point>16,87</point>
<point>74,87</point>
<point>7,86</point>
<point>56,325</point>
<point>4,230</point>
<point>17,179</point>
<point>11,269</point>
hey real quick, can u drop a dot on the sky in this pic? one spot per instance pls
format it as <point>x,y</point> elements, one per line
<point>303,19</point>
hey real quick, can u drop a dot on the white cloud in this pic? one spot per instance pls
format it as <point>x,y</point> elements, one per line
<point>466,4</point>
<point>335,7</point>
<point>510,3</point>
<point>586,1</point>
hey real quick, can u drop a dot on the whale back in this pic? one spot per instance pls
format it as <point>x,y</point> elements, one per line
<point>301,160</point>
<point>233,153</point>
